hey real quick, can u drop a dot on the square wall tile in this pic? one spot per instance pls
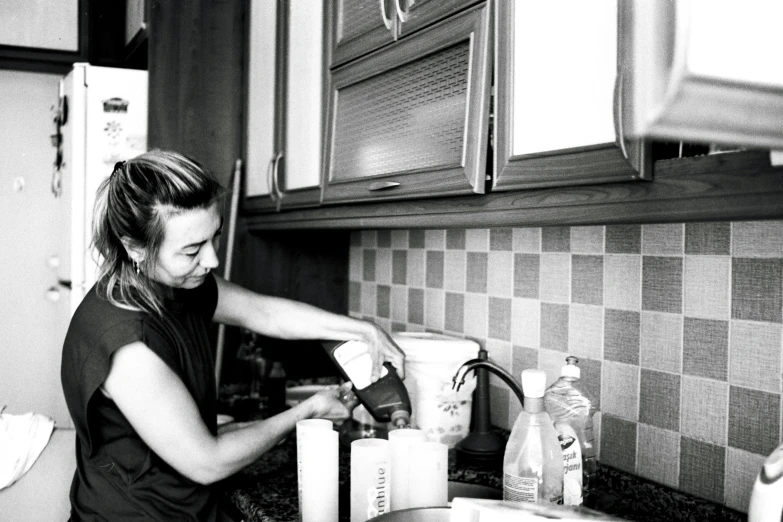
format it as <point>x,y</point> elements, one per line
<point>585,326</point>
<point>399,239</point>
<point>555,239</point>
<point>416,306</point>
<point>434,278</point>
<point>399,267</point>
<point>500,274</point>
<point>416,267</point>
<point>383,266</point>
<point>454,270</point>
<point>435,239</point>
<point>757,289</point>
<point>755,352</point>
<point>526,322</point>
<point>498,406</point>
<point>355,269</point>
<point>526,275</point>
<point>476,311</point>
<point>618,443</point>
<point>587,279</point>
<point>434,309</point>
<point>661,341</point>
<point>477,263</point>
<point>416,238</point>
<point>705,348</point>
<point>587,240</point>
<point>384,239</point>
<point>354,296</point>
<point>624,239</point>
<point>454,319</point>
<point>621,336</point>
<point>455,239</point>
<point>707,281</point>
<point>499,318</point>
<point>368,300</point>
<point>662,240</point>
<point>355,239</point>
<point>741,470</point>
<point>526,240</point>
<point>551,361</point>
<point>591,378</point>
<point>501,239</point>
<point>620,390</point>
<point>757,239</point>
<point>383,301</point>
<point>555,274</point>
<point>554,326</point>
<point>368,264</point>
<point>622,282</point>
<point>399,304</point>
<point>522,359</point>
<point>477,239</point>
<point>500,354</point>
<point>653,444</point>
<point>705,408</point>
<point>702,469</point>
<point>369,238</point>
<point>662,284</point>
<point>708,238</point>
<point>659,399</point>
<point>754,420</point>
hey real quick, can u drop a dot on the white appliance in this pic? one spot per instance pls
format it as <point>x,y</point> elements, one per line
<point>100,116</point>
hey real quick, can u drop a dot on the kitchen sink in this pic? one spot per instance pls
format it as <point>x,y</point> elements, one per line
<point>441,514</point>
<point>463,489</point>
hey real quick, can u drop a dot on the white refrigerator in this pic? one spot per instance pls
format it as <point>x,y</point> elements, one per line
<point>59,138</point>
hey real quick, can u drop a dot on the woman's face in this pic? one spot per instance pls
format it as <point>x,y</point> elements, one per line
<point>189,249</point>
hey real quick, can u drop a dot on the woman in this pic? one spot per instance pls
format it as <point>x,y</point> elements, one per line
<point>138,369</point>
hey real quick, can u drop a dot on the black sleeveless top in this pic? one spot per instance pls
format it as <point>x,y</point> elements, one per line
<point>118,477</point>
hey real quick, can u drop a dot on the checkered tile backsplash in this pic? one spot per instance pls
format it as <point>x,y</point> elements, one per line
<point>677,328</point>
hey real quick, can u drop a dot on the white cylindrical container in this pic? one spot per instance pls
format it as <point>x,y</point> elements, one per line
<point>431,360</point>
<point>399,443</point>
<point>370,478</point>
<point>318,470</point>
<point>428,475</point>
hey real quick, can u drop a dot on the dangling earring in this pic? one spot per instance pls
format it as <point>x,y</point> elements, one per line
<point>136,267</point>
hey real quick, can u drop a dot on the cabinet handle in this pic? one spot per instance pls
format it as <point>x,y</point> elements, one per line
<point>618,114</point>
<point>401,13</point>
<point>276,181</point>
<point>383,185</point>
<point>386,20</point>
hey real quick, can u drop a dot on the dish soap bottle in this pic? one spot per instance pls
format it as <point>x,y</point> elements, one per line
<point>533,463</point>
<point>571,411</point>
<point>387,398</point>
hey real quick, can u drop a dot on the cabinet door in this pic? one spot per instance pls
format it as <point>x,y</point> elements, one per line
<point>557,63</point>
<point>361,26</point>
<point>414,15</point>
<point>410,120</point>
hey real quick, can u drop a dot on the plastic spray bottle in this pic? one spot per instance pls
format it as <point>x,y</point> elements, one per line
<point>572,413</point>
<point>533,462</point>
<point>387,398</point>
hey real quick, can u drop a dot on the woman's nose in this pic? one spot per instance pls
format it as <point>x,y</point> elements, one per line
<point>210,258</point>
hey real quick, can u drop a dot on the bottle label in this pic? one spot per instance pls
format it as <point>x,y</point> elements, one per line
<point>520,489</point>
<point>572,465</point>
<point>354,358</point>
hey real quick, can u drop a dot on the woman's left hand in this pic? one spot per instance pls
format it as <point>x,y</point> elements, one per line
<point>335,404</point>
<point>382,349</point>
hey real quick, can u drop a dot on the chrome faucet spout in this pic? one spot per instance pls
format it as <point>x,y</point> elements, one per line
<point>459,377</point>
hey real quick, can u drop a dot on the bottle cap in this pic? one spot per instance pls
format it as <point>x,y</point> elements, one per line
<point>533,383</point>
<point>571,369</point>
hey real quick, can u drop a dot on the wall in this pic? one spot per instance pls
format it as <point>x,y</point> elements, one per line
<point>677,328</point>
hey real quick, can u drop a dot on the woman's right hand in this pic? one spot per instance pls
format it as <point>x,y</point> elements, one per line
<point>335,404</point>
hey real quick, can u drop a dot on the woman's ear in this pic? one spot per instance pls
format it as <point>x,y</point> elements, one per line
<point>135,251</point>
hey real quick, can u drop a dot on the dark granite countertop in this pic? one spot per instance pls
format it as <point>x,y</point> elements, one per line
<point>267,491</point>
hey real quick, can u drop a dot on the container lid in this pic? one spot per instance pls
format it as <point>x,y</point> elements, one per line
<point>533,383</point>
<point>432,347</point>
<point>570,369</point>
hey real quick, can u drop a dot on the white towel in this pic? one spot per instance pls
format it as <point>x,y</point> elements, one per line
<point>22,440</point>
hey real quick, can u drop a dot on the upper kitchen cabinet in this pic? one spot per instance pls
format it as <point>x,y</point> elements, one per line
<point>362,26</point>
<point>411,119</point>
<point>702,71</point>
<point>285,100</point>
<point>555,111</point>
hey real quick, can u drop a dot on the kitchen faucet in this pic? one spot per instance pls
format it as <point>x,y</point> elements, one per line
<point>473,364</point>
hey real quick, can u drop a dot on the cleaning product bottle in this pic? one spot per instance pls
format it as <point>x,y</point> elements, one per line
<point>387,398</point>
<point>572,413</point>
<point>533,462</point>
